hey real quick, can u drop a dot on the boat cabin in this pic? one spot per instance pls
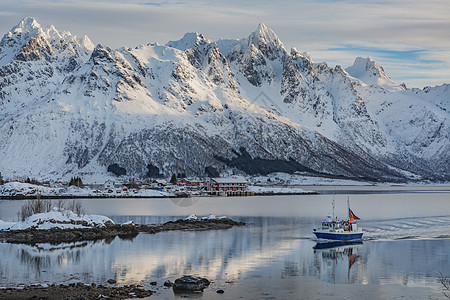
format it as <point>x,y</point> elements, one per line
<point>334,225</point>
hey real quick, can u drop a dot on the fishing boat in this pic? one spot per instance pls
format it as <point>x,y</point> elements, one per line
<point>339,230</point>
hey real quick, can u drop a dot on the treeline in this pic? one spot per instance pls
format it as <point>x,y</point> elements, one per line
<point>76,181</point>
<point>33,181</point>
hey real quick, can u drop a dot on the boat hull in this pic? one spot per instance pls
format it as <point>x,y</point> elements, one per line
<point>338,236</point>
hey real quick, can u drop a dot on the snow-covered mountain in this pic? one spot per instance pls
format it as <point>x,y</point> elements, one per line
<point>196,106</point>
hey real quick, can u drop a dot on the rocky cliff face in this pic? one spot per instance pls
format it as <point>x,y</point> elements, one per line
<point>246,105</point>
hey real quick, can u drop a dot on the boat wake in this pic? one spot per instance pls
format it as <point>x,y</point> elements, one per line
<point>409,228</point>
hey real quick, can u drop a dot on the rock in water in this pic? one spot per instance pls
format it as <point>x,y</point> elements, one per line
<point>190,283</point>
<point>168,283</point>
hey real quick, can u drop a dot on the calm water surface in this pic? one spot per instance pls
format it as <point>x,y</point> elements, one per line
<point>406,244</point>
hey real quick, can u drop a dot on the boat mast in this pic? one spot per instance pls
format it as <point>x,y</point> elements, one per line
<point>348,207</point>
<point>333,206</point>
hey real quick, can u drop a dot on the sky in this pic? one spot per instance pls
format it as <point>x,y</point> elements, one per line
<point>409,38</point>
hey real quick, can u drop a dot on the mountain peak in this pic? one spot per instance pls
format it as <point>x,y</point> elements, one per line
<point>28,40</point>
<point>265,39</point>
<point>27,25</point>
<point>366,66</point>
<point>189,40</point>
<point>262,27</point>
<point>86,43</point>
<point>371,73</point>
<point>12,42</point>
<point>28,22</point>
<point>263,34</point>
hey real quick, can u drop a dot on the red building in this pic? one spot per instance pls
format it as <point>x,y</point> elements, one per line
<point>159,183</point>
<point>232,184</point>
<point>190,183</point>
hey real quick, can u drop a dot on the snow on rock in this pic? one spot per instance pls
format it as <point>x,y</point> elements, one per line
<point>192,217</point>
<point>6,225</point>
<point>209,217</point>
<point>64,219</point>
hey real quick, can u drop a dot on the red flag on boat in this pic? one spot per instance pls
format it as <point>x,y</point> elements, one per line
<point>352,215</point>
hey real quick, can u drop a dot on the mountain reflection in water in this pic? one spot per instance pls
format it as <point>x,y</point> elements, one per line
<point>267,247</point>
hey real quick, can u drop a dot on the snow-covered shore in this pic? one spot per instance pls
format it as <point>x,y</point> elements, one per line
<point>64,219</point>
<point>19,190</point>
<point>274,190</point>
<point>271,184</point>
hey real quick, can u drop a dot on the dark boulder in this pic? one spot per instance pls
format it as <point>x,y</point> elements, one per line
<point>190,283</point>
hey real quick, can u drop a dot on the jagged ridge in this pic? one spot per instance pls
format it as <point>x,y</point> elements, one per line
<point>193,104</point>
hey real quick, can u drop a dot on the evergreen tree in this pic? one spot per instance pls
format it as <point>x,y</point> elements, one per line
<point>79,182</point>
<point>76,181</point>
<point>173,180</point>
<point>1,179</point>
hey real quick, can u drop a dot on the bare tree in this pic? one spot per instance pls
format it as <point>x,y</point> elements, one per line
<point>32,207</point>
<point>60,204</point>
<point>47,205</point>
<point>446,284</point>
<point>77,208</point>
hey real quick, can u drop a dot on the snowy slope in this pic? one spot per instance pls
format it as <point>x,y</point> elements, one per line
<point>243,105</point>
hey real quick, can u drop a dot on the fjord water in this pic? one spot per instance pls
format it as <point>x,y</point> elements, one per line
<point>406,246</point>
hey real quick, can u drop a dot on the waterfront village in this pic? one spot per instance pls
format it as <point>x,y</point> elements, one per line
<point>183,187</point>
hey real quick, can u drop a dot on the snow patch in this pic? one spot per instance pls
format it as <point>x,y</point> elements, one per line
<point>64,219</point>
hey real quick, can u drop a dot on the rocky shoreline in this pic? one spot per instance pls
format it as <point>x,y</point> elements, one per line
<point>78,291</point>
<point>185,286</point>
<point>126,231</point>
